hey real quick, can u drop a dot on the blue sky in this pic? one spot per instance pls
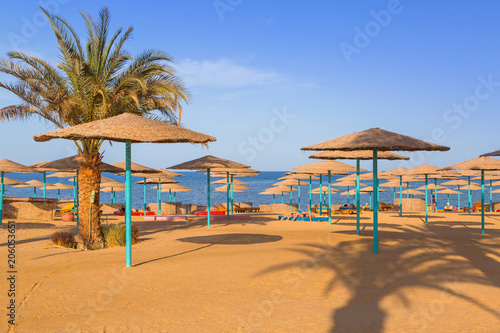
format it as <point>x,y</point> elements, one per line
<point>271,77</point>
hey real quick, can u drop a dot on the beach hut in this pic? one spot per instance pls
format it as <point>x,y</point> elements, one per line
<point>376,139</point>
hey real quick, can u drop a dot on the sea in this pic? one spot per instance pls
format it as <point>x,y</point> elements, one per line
<point>197,182</point>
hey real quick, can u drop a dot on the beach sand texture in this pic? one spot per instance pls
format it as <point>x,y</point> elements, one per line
<point>264,275</point>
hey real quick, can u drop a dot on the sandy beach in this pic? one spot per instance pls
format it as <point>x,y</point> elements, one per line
<point>264,275</point>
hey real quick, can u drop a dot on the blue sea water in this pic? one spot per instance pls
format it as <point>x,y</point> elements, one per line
<point>197,181</point>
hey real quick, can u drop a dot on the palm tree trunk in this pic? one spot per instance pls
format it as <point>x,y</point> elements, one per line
<point>89,178</point>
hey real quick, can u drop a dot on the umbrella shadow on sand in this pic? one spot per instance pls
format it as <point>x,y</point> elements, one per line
<point>425,257</point>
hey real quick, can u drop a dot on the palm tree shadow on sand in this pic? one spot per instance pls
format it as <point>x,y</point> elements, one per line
<point>411,257</point>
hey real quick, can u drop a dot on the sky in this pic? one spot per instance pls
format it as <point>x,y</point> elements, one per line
<point>270,77</point>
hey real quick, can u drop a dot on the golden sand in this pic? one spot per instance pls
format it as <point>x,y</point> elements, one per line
<point>263,275</point>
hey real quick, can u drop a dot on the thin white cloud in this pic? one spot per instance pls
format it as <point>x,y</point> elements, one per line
<point>226,73</point>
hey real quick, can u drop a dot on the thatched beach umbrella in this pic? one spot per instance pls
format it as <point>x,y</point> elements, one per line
<point>300,176</point>
<point>33,183</point>
<point>481,163</point>
<point>9,181</point>
<point>376,139</point>
<point>490,177</point>
<point>458,183</point>
<point>207,163</point>
<point>449,191</point>
<point>7,166</point>
<point>357,155</point>
<point>172,188</point>
<point>127,128</point>
<point>58,187</point>
<point>329,168</point>
<point>235,182</point>
<point>414,192</point>
<point>278,190</point>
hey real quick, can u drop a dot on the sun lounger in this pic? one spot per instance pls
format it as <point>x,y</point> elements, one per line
<point>245,209</point>
<point>66,209</point>
<point>384,206</point>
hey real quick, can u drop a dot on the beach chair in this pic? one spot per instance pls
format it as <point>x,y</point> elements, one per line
<point>384,206</point>
<point>216,208</point>
<point>239,209</point>
<point>66,209</point>
<point>477,207</point>
<point>222,208</point>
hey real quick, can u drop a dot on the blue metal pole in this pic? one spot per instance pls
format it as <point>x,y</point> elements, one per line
<point>310,193</point>
<point>145,197</point>
<point>291,198</point>
<point>77,203</point>
<point>174,197</point>
<point>1,196</point>
<point>375,202</point>
<point>329,197</point>
<point>232,195</point>
<point>357,196</point>
<point>426,199</point>
<point>407,190</point>
<point>469,196</point>
<point>227,195</point>
<point>44,185</point>
<point>274,198</point>
<point>320,194</point>
<point>394,192</point>
<point>208,198</point>
<point>371,200</point>
<point>436,194</point>
<point>159,197</point>
<point>491,197</point>
<point>34,191</point>
<point>482,201</point>
<point>128,205</point>
<point>74,191</point>
<point>400,195</point>
<point>458,199</point>
<point>169,195</point>
<point>299,194</point>
<point>58,194</point>
<point>347,194</point>
<point>282,200</point>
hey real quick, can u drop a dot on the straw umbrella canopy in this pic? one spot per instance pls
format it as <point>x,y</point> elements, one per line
<point>414,192</point>
<point>235,182</point>
<point>449,191</point>
<point>276,190</point>
<point>33,183</point>
<point>376,139</point>
<point>9,181</point>
<point>172,188</point>
<point>127,128</point>
<point>209,163</point>
<point>7,166</point>
<point>134,167</point>
<point>481,163</point>
<point>234,187</point>
<point>63,174</point>
<point>439,187</point>
<point>156,181</point>
<point>58,187</point>
<point>495,153</point>
<point>458,183</point>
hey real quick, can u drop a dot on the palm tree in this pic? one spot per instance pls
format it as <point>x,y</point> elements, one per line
<point>90,83</point>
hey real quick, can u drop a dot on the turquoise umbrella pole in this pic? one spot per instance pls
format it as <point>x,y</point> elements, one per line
<point>310,193</point>
<point>394,192</point>
<point>458,199</point>
<point>34,192</point>
<point>469,197</point>
<point>482,201</point>
<point>274,198</point>
<point>329,197</point>
<point>320,194</point>
<point>74,191</point>
<point>299,194</point>
<point>227,195</point>
<point>290,198</point>
<point>436,194</point>
<point>375,202</point>
<point>426,198</point>
<point>169,195</point>
<point>44,185</point>
<point>159,197</point>
<point>58,194</point>
<point>208,198</point>
<point>145,197</point>
<point>491,197</point>
<point>128,205</point>
<point>77,203</point>
<point>1,195</point>
<point>448,198</point>
<point>174,197</point>
<point>407,190</point>
<point>282,200</point>
<point>347,194</point>
<point>371,200</point>
<point>400,195</point>
<point>357,196</point>
<point>114,195</point>
<point>232,195</point>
